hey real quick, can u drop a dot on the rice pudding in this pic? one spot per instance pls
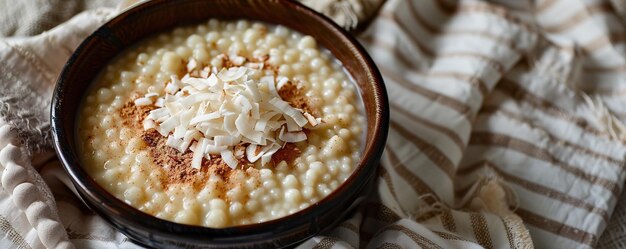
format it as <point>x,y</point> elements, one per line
<point>222,124</point>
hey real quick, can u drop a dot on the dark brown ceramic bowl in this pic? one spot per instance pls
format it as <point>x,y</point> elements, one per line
<point>161,15</point>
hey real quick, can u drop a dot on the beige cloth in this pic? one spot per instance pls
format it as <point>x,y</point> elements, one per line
<point>502,112</point>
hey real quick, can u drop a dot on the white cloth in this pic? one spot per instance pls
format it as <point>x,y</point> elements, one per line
<point>506,127</point>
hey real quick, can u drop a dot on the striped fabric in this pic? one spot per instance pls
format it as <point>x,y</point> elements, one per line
<point>502,111</point>
<point>506,130</point>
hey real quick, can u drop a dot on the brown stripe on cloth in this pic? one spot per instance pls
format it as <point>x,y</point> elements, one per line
<point>545,191</point>
<point>387,180</point>
<point>416,183</point>
<point>433,153</point>
<point>456,139</point>
<point>501,40</point>
<point>418,239</point>
<point>389,245</point>
<point>556,227</point>
<point>475,82</point>
<point>447,220</point>
<point>515,91</point>
<point>498,110</point>
<point>577,18</point>
<point>451,236</point>
<point>544,5</point>
<point>481,231</point>
<point>460,107</point>
<point>326,243</point>
<point>529,149</point>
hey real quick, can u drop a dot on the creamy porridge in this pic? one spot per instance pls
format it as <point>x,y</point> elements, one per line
<point>222,124</point>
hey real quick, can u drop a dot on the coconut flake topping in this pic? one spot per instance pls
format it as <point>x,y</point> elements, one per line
<point>213,113</point>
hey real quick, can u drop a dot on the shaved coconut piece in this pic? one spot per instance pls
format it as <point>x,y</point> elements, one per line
<point>255,112</point>
<point>292,137</point>
<point>228,158</point>
<point>198,83</point>
<point>289,111</point>
<point>242,100</point>
<point>255,65</point>
<point>237,60</point>
<point>205,72</point>
<point>229,123</point>
<point>271,84</point>
<point>189,136</point>
<point>143,102</point>
<point>151,95</point>
<point>311,119</point>
<point>148,124</point>
<point>212,149</point>
<point>204,117</point>
<point>281,82</point>
<point>198,154</point>
<point>192,65</point>
<point>159,102</point>
<point>213,80</point>
<point>232,73</point>
<point>168,125</point>
<point>158,114</point>
<point>171,88</point>
<point>179,132</point>
<point>246,128</point>
<point>226,140</point>
<point>267,154</point>
<point>291,125</point>
<point>253,88</point>
<point>251,153</point>
<point>261,123</point>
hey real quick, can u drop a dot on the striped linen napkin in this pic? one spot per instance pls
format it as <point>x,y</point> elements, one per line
<point>506,130</point>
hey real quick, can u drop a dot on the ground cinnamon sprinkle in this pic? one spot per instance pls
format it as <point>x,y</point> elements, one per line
<point>294,95</point>
<point>176,166</point>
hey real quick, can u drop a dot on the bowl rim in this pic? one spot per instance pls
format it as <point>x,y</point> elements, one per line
<point>89,187</point>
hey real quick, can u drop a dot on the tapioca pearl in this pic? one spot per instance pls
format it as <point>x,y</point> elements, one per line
<point>235,194</point>
<point>251,35</point>
<point>237,47</point>
<point>126,160</point>
<point>273,41</point>
<point>311,177</point>
<point>217,203</point>
<point>345,133</point>
<point>301,167</point>
<point>216,218</point>
<point>104,95</point>
<point>324,70</point>
<point>336,145</point>
<point>276,193</point>
<point>223,44</point>
<point>183,51</point>
<point>281,31</point>
<point>266,199</point>
<point>236,209</point>
<point>329,95</point>
<point>194,40</point>
<point>316,64</point>
<point>269,184</point>
<point>217,62</point>
<point>186,217</point>
<point>212,36</point>
<point>293,196</point>
<point>290,181</point>
<point>206,195</point>
<point>251,183</point>
<point>291,56</point>
<point>213,23</point>
<point>143,158</point>
<point>308,192</point>
<point>110,175</point>
<point>306,42</point>
<point>138,178</point>
<point>133,195</point>
<point>345,168</point>
<point>252,206</point>
<point>99,157</point>
<point>134,144</point>
<point>266,174</point>
<point>356,129</point>
<point>201,54</point>
<point>285,70</point>
<point>171,63</point>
